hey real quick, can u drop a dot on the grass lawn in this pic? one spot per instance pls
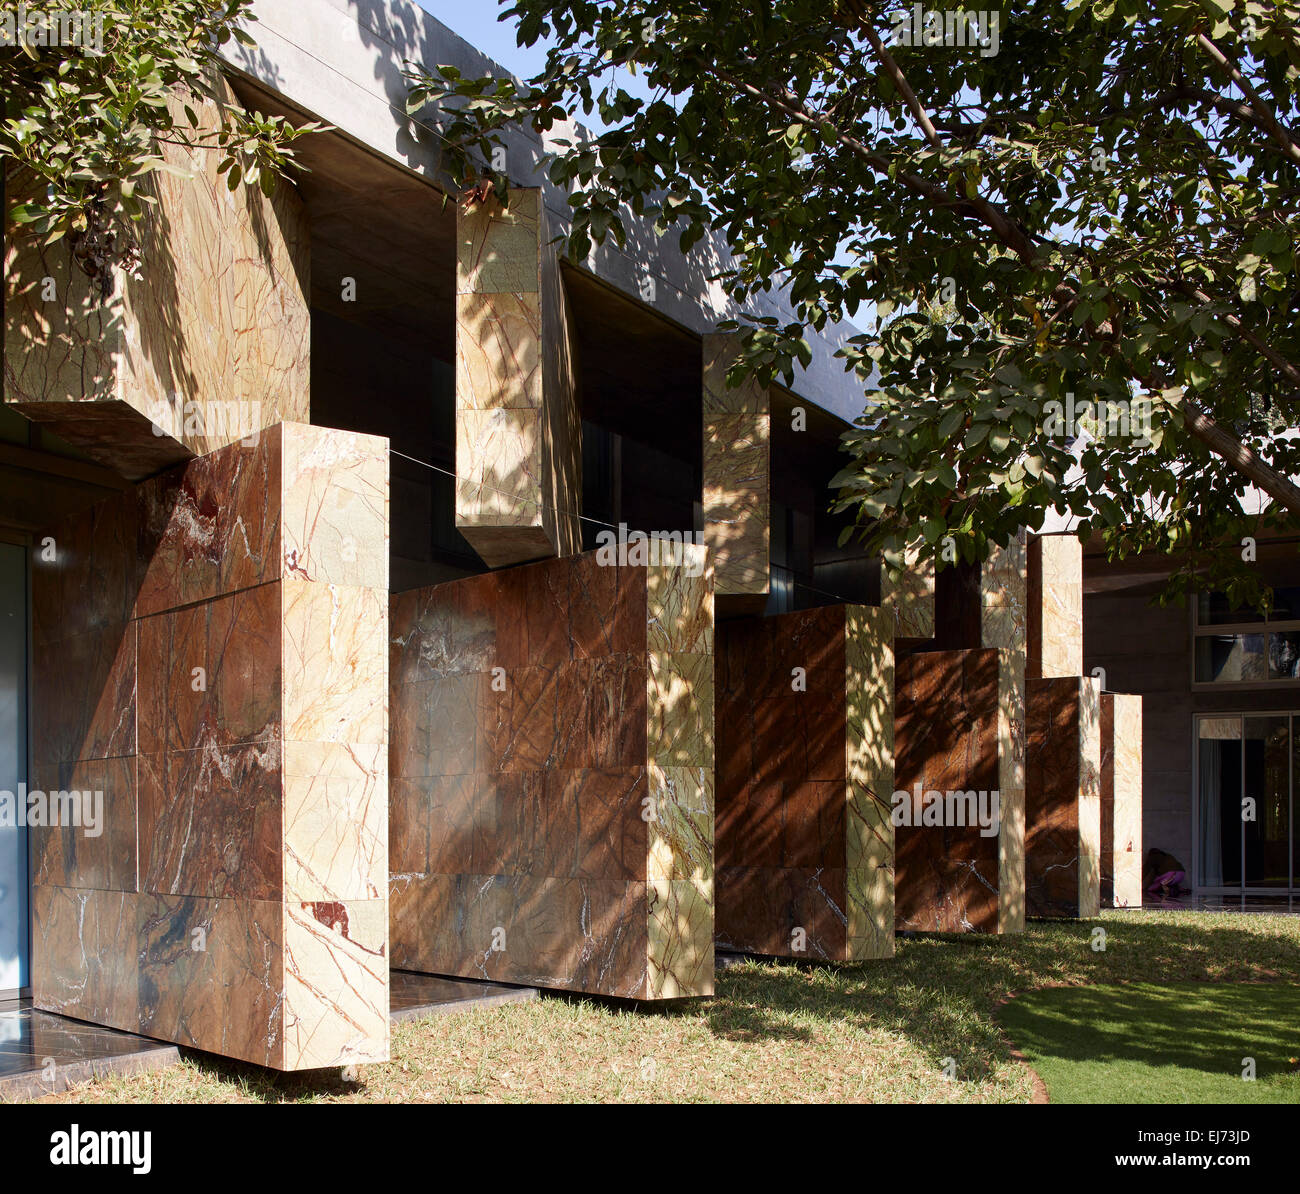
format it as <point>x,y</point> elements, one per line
<point>878,1031</point>
<point>1149,1043</point>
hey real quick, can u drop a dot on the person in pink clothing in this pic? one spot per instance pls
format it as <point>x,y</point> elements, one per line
<point>1162,874</point>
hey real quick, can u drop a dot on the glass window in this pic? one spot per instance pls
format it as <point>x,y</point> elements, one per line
<point>1230,659</point>
<point>1269,656</point>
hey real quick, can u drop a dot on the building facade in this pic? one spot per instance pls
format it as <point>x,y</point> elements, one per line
<point>379,590</point>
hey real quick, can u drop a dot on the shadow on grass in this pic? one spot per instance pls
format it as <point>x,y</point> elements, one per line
<point>939,990</point>
<point>1192,1026</point>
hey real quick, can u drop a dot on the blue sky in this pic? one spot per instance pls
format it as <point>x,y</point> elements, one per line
<point>476,21</point>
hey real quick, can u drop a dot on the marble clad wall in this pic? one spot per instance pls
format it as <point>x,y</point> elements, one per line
<point>911,596</point>
<point>204,343</point>
<point>737,476</point>
<point>1121,800</point>
<point>210,652</point>
<point>804,838</point>
<point>518,426</point>
<point>1055,606</point>
<point>552,777</point>
<point>950,735</point>
<point>1063,798</point>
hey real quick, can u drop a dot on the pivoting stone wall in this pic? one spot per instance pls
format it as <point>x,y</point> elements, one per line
<point>1121,800</point>
<point>960,728</point>
<point>805,769</point>
<point>552,763</point>
<point>1063,817</point>
<point>210,655</point>
<point>956,872</point>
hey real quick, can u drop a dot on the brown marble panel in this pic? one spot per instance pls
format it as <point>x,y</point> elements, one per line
<point>212,975</point>
<point>1062,798</point>
<point>576,934</point>
<point>552,760</point>
<point>794,779</point>
<point>212,527</point>
<point>946,739</point>
<point>101,855</point>
<point>84,695</point>
<point>94,552</point>
<point>782,911</point>
<point>211,821</point>
<point>236,641</point>
<point>84,961</point>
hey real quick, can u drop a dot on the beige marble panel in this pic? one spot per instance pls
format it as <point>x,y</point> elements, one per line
<point>335,983</point>
<point>680,933</point>
<point>498,248</point>
<point>498,351</point>
<point>679,709</point>
<point>518,422</point>
<point>335,663</point>
<point>869,775</point>
<point>1126,746</point>
<point>1056,606</point>
<point>1012,729</point>
<point>499,467</point>
<point>680,823</point>
<point>910,595</point>
<point>334,511</point>
<point>1003,598</point>
<point>1089,797</point>
<point>737,484</point>
<point>679,601</point>
<point>720,350</point>
<point>561,408</point>
<point>335,821</point>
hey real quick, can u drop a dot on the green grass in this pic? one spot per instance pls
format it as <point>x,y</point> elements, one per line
<point>1154,1043</point>
<point>876,1031</point>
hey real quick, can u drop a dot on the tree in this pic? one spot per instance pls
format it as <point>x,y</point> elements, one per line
<point>89,124</point>
<point>1102,196</point>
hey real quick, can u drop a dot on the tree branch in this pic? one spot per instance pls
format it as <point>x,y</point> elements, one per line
<point>1280,133</point>
<point>1240,457</point>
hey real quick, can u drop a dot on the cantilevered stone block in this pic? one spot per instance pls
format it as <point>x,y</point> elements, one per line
<point>804,772</point>
<point>959,823</point>
<point>1063,798</point>
<point>1121,800</point>
<point>552,763</point>
<point>518,426</point>
<point>202,344</point>
<point>236,898</point>
<point>737,477</point>
<point>1055,606</point>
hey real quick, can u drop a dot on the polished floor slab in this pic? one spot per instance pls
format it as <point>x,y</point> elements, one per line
<point>42,1053</point>
<point>414,996</point>
<point>1280,904</point>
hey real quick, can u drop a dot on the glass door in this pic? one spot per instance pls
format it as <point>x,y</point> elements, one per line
<point>13,768</point>
<point>1246,772</point>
